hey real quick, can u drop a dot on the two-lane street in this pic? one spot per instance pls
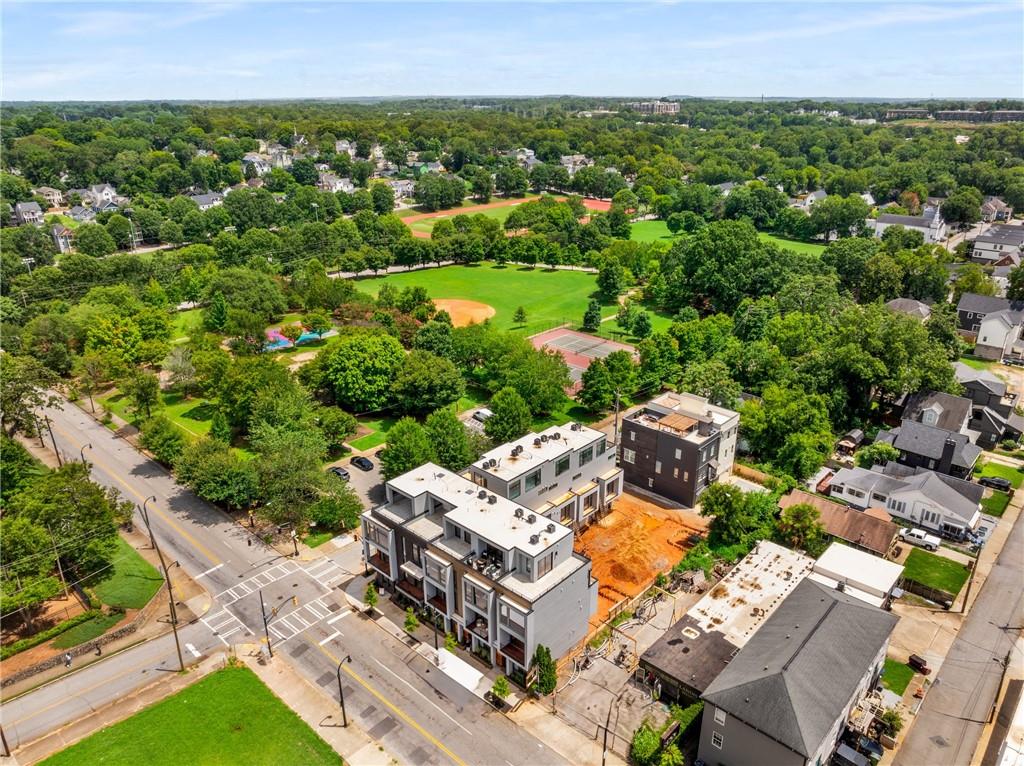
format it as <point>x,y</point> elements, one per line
<point>397,696</point>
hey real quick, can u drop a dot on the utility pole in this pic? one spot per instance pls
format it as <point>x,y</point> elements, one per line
<point>60,569</point>
<point>53,440</point>
<point>144,512</point>
<point>970,582</point>
<point>39,431</point>
<point>266,630</point>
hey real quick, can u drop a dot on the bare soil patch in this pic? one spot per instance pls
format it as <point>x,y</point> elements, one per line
<point>463,312</point>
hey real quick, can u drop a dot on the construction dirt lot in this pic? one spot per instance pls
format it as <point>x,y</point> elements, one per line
<point>638,539</point>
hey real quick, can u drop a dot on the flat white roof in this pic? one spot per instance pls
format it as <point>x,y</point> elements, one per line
<point>742,600</point>
<point>857,568</point>
<point>559,441</point>
<point>518,584</point>
<point>495,521</point>
<point>695,406</point>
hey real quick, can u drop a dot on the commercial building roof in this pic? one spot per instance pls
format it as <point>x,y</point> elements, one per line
<point>794,678</point>
<point>868,577</point>
<point>537,449</point>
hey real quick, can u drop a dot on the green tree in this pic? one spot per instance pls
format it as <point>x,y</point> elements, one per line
<point>449,439</point>
<point>370,597</point>
<point>642,325</point>
<point>161,437</point>
<point>248,290</point>
<point>288,466</point>
<point>726,505</point>
<point>336,425</point>
<point>411,621</point>
<point>611,279</point>
<point>592,316</point>
<point>1015,290</point>
<point>426,382</point>
<point>450,642</point>
<point>215,316</point>
<point>171,233</point>
<point>361,370</point>
<point>644,746</point>
<point>878,453</point>
<point>547,670</point>
<point>671,756</point>
<point>971,278</point>
<point>436,337</point>
<point>712,379</point>
<point>143,391</point>
<point>220,429</point>
<point>520,316</point>
<point>500,688</point>
<point>963,206</point>
<point>511,418</point>
<point>92,239</point>
<point>383,198</point>
<point>511,180</point>
<point>407,448</point>
<point>800,528</point>
<point>597,391</point>
<point>482,185</point>
<point>318,321</point>
<point>182,370</point>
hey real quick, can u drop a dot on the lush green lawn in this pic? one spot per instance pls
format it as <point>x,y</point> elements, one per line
<point>976,363</point>
<point>131,582</point>
<point>896,676</point>
<point>88,630</point>
<point>499,214</point>
<point>995,504</point>
<point>660,322</point>
<point>1014,475</point>
<point>650,231</point>
<point>567,411</point>
<point>194,416</point>
<point>379,428</point>
<point>808,248</point>
<point>935,571</point>
<point>549,297</point>
<point>186,324</point>
<point>316,539</point>
<point>229,718</point>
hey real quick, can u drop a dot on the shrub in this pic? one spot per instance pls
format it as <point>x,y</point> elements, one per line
<point>547,670</point>
<point>45,635</point>
<point>450,642</point>
<point>644,746</point>
<point>500,688</point>
<point>370,596</point>
<point>161,437</point>
<point>411,622</point>
<point>892,721</point>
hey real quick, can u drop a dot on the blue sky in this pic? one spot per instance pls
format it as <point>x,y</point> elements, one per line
<point>182,50</point>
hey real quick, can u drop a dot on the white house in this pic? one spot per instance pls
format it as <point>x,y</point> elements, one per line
<point>207,200</point>
<point>62,237</point>
<point>1001,245</point>
<point>28,213</point>
<point>929,223</point>
<point>345,147</point>
<point>257,162</point>
<point>806,202</point>
<point>573,162</point>
<point>53,197</point>
<point>402,188</point>
<point>999,335</point>
<point>329,182</point>
<point>857,573</point>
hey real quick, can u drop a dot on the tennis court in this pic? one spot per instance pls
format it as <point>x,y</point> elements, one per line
<point>578,349</point>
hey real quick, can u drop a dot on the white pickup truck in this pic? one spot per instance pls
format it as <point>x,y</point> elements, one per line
<point>920,538</point>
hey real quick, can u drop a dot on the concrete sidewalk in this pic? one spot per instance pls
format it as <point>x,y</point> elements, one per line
<point>575,746</point>
<point>320,712</point>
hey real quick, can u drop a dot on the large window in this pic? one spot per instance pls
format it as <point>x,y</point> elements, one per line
<point>545,564</point>
<point>719,716</point>
<point>586,456</point>
<point>566,515</point>
<point>532,480</point>
<point>657,466</point>
<point>476,596</point>
<point>435,571</point>
<point>602,446</point>
<point>515,489</point>
<point>562,465</point>
<point>628,456</point>
<point>377,534</point>
<point>511,618</point>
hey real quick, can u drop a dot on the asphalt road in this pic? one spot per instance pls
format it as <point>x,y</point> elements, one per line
<point>958,705</point>
<point>397,696</point>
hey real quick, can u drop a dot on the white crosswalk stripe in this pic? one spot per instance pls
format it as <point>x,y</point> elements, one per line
<point>223,624</point>
<point>304,617</point>
<point>326,572</point>
<point>254,583</point>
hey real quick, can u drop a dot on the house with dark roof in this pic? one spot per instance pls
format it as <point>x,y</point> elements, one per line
<point>936,408</point>
<point>937,502</point>
<point>207,200</point>
<point>26,213</point>
<point>63,237</point>
<point>973,308</point>
<point>999,246</point>
<point>82,214</point>
<point>873,533</point>
<point>929,223</point>
<point>922,445</point>
<point>993,415</point>
<point>995,209</point>
<point>999,336</point>
<point>910,307</point>
<point>770,705</point>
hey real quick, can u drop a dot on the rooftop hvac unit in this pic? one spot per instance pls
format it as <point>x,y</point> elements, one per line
<point>536,442</point>
<point>519,513</point>
<point>556,435</point>
<point>519,449</point>
<point>530,519</point>
<point>493,462</point>
<point>543,437</point>
<point>515,451</point>
<point>492,499</point>
<point>551,528</point>
<point>534,539</point>
<point>482,494</point>
<point>574,427</point>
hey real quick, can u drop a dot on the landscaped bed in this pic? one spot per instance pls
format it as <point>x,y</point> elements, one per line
<point>229,717</point>
<point>935,571</point>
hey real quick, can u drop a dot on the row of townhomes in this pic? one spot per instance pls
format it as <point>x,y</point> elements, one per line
<point>490,550</point>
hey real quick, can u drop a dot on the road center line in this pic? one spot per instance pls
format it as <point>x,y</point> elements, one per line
<point>425,697</point>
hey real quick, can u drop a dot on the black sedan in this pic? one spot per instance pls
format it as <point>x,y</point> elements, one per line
<point>340,472</point>
<point>362,463</point>
<point>995,482</point>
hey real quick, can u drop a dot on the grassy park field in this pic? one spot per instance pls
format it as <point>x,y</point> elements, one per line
<point>549,297</point>
<point>229,717</point>
<point>657,231</point>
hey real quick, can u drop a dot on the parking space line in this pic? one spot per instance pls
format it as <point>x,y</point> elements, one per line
<point>208,571</point>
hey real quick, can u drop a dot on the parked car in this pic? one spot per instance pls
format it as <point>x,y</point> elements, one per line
<point>362,463</point>
<point>920,538</point>
<point>340,472</point>
<point>482,414</point>
<point>995,482</point>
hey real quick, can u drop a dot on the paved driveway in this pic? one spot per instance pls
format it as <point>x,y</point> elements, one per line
<point>369,485</point>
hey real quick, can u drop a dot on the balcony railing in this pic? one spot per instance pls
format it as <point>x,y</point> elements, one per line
<point>411,589</point>
<point>480,628</point>
<point>515,651</point>
<point>439,602</point>
<point>381,563</point>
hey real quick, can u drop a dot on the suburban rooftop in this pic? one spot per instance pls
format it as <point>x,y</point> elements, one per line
<point>553,443</point>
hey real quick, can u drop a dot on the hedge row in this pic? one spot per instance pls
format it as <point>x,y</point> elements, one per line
<point>43,636</point>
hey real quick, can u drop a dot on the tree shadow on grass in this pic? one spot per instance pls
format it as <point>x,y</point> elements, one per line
<point>201,412</point>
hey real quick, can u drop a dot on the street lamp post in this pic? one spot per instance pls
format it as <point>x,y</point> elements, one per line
<point>144,512</point>
<point>316,211</point>
<point>56,451</point>
<point>82,449</point>
<point>341,690</point>
<point>266,630</point>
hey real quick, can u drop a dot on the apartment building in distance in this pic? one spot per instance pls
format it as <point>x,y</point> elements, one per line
<point>677,444</point>
<point>654,107</point>
<point>498,572</point>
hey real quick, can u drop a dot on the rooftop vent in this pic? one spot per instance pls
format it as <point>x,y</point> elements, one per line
<point>556,435</point>
<point>574,427</point>
<point>492,499</point>
<point>519,449</point>
<point>543,437</point>
<point>534,539</point>
<point>519,513</point>
<point>536,442</point>
<point>482,494</point>
<point>530,519</point>
<point>550,528</point>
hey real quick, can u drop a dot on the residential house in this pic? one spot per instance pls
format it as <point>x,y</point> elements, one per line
<point>565,473</point>
<point>259,164</point>
<point>653,107</point>
<point>995,209</point>
<point>943,410</point>
<point>999,336</point>
<point>429,167</point>
<point>329,182</point>
<point>280,156</point>
<point>207,200</point>
<point>993,415</point>
<point>922,445</point>
<point>870,578</point>
<point>402,188</point>
<point>677,444</point>
<point>103,193</point>
<point>770,704</point>
<point>864,530</point>
<point>685,661</point>
<point>63,237</point>
<point>910,307</point>
<point>973,308</point>
<point>726,187</point>
<point>53,197</point>
<point>923,498</point>
<point>929,223</point>
<point>869,200</point>
<point>28,213</point>
<point>807,201</point>
<point>106,206</point>
<point>345,147</point>
<point>573,162</point>
<point>1001,245</point>
<point>494,573</point>
<point>82,214</point>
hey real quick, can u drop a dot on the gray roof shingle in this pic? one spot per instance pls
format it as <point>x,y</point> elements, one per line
<point>985,304</point>
<point>920,439</point>
<point>953,411</point>
<point>776,682</point>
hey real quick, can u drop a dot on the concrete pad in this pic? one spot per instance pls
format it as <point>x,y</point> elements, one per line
<point>460,671</point>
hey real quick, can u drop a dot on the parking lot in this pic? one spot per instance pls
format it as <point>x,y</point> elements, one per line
<point>369,485</point>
